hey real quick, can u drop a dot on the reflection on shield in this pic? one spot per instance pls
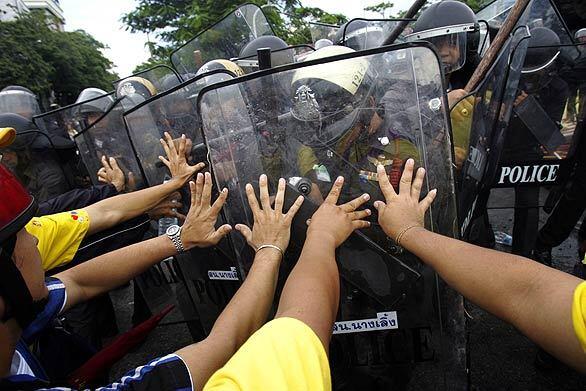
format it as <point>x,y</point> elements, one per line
<point>225,39</point>
<point>341,117</point>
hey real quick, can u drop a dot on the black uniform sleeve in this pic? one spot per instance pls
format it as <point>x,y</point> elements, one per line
<point>76,199</point>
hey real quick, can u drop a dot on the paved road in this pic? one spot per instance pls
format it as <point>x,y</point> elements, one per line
<point>501,358</point>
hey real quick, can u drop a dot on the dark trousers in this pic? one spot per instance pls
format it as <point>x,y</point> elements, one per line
<point>526,221</point>
<point>566,213</point>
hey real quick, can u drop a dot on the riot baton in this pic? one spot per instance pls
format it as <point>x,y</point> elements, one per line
<point>403,23</point>
<point>495,47</point>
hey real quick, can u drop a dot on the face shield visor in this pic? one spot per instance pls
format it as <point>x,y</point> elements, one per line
<point>19,102</point>
<point>537,76</point>
<point>364,38</point>
<point>450,43</point>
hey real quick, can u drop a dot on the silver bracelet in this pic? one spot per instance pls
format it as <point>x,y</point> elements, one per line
<point>271,246</point>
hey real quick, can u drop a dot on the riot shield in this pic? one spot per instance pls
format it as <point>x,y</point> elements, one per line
<point>392,324</point>
<point>157,79</point>
<point>39,165</point>
<point>360,34</point>
<point>203,280</point>
<point>322,31</point>
<point>478,122</point>
<point>97,127</point>
<point>225,39</point>
<point>288,55</point>
<point>19,102</point>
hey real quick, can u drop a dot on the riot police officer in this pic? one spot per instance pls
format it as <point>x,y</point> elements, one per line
<point>546,91</point>
<point>344,127</point>
<point>572,203</point>
<point>452,27</point>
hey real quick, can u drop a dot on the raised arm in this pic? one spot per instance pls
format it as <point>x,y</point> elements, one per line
<point>249,308</point>
<point>312,291</point>
<point>111,270</point>
<point>534,298</point>
<point>114,210</point>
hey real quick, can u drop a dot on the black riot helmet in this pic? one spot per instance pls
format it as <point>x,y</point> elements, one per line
<point>94,100</point>
<point>329,102</point>
<point>540,59</point>
<point>359,34</point>
<point>453,28</point>
<point>279,54</point>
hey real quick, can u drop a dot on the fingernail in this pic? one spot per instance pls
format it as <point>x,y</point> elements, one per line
<point>434,191</point>
<point>281,181</point>
<point>199,176</point>
<point>191,183</point>
<point>410,161</point>
<point>224,190</point>
<point>339,179</point>
<point>380,167</point>
<point>376,204</point>
<point>368,212</point>
<point>366,196</point>
<point>248,186</point>
<point>300,198</point>
<point>263,177</point>
<point>182,136</point>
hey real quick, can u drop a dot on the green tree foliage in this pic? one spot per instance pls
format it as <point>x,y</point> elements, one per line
<point>174,22</point>
<point>46,60</point>
<point>381,8</point>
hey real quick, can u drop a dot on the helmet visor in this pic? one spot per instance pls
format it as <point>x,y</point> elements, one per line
<point>450,43</point>
<point>19,102</point>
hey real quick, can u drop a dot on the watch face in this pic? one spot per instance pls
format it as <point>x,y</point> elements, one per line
<point>172,230</point>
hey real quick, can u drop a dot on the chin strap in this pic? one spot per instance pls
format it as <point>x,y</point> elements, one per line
<point>18,300</point>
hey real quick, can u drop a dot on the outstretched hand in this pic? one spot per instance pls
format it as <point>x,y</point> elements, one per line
<point>199,227</point>
<point>112,173</point>
<point>402,211</point>
<point>271,226</point>
<point>176,160</point>
<point>337,222</point>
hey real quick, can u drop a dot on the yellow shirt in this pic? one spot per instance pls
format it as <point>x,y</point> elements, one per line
<point>285,354</point>
<point>59,236</point>
<point>579,314</point>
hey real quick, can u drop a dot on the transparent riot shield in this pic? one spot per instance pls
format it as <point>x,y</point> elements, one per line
<point>205,279</point>
<point>39,164</point>
<point>478,122</point>
<point>154,81</point>
<point>225,39</point>
<point>322,31</point>
<point>288,55</point>
<point>360,34</point>
<point>396,320</point>
<point>97,127</point>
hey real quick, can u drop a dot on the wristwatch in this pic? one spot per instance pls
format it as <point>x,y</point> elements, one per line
<point>174,233</point>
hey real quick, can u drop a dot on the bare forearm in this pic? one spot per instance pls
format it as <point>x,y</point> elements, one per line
<point>313,288</point>
<point>113,269</point>
<point>248,310</point>
<point>534,298</point>
<point>115,210</point>
<point>246,313</point>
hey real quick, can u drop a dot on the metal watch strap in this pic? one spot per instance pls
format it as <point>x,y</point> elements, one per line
<point>176,239</point>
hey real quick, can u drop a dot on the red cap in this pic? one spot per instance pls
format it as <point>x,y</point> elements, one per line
<point>17,206</point>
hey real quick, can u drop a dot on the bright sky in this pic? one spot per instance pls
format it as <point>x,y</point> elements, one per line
<point>101,18</point>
